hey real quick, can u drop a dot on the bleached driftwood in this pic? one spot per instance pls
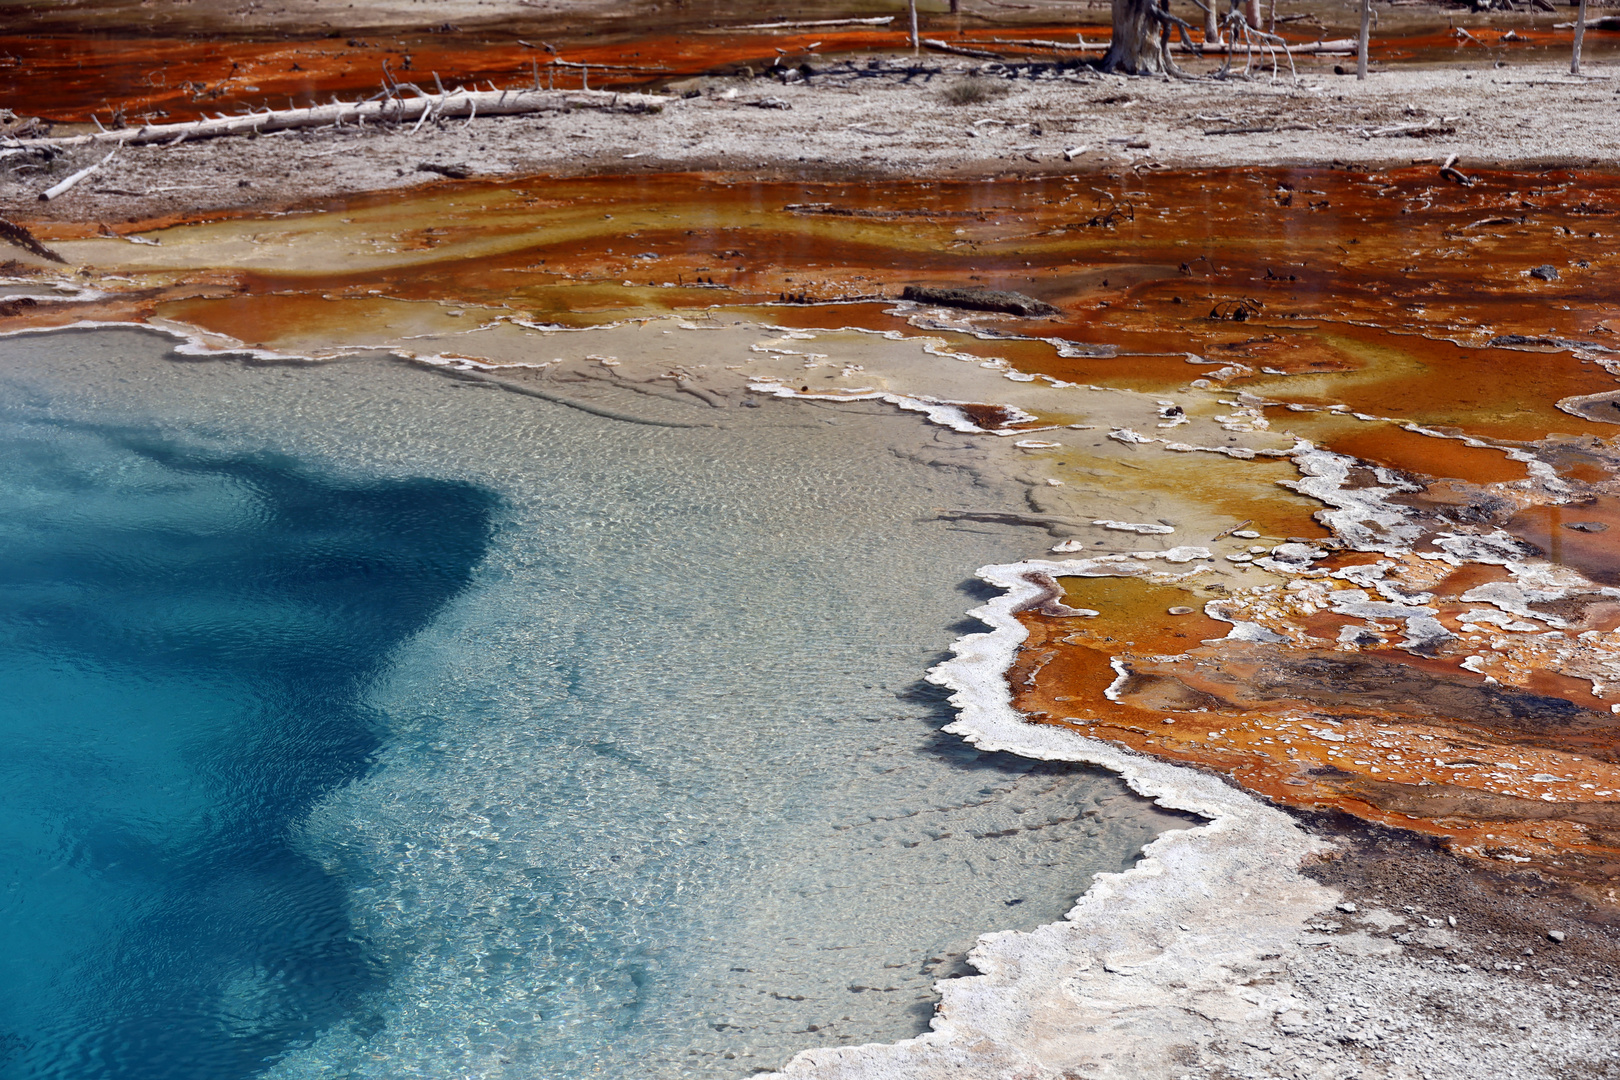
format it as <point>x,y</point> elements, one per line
<point>63,187</point>
<point>1605,22</point>
<point>945,47</point>
<point>1323,48</point>
<point>1329,48</point>
<point>884,21</point>
<point>1057,46</point>
<point>390,109</point>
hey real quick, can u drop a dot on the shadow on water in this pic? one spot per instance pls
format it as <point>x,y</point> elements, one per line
<point>186,638</point>
<point>1107,801</point>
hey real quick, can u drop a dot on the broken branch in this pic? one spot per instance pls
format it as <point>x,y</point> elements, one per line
<point>1345,46</point>
<point>16,234</point>
<point>1449,173</point>
<point>62,189</point>
<point>454,104</point>
<point>1258,130</point>
<point>884,21</point>
<point>940,46</point>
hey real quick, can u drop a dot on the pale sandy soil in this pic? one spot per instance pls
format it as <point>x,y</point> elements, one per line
<point>897,125</point>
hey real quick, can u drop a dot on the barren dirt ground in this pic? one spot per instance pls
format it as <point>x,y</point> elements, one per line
<point>883,117</point>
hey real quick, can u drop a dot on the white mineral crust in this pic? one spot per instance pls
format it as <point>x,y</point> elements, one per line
<point>1208,958</point>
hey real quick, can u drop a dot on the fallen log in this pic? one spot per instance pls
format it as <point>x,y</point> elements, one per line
<point>12,124</point>
<point>66,185</point>
<point>1258,129</point>
<point>456,103</point>
<point>454,172</point>
<point>884,21</point>
<point>1309,48</point>
<point>1058,46</point>
<point>1344,45</point>
<point>1411,131</point>
<point>1010,303</point>
<point>978,54</point>
<point>1605,22</point>
<point>16,234</point>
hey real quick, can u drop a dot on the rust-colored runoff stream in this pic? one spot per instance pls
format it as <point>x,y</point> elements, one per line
<point>1424,328</point>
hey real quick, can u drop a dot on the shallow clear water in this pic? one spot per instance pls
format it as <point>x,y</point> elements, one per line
<point>369,723</point>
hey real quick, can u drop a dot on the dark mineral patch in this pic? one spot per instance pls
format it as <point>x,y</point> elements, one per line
<point>1011,303</point>
<point>454,172</point>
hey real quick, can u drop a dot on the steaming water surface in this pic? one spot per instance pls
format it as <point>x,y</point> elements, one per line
<point>365,722</point>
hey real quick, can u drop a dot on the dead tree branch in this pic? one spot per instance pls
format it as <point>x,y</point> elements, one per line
<point>16,234</point>
<point>67,184</point>
<point>1331,48</point>
<point>456,103</point>
<point>940,46</point>
<point>884,21</point>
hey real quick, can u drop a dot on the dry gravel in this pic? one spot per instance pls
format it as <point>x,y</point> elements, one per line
<point>891,120</point>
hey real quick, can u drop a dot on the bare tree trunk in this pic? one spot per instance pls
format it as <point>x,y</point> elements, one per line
<point>1361,42</point>
<point>1580,36</point>
<point>1134,49</point>
<point>1212,23</point>
<point>1251,14</point>
<point>396,110</point>
<point>911,7</point>
<point>956,6</point>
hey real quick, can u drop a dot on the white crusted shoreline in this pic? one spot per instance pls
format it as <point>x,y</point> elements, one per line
<point>1208,958</point>
<point>1096,992</point>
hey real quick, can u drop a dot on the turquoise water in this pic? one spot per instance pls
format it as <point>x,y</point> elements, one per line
<point>186,638</point>
<point>367,723</point>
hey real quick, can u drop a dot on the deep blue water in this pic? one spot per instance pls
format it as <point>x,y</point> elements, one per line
<point>365,723</point>
<point>186,639</point>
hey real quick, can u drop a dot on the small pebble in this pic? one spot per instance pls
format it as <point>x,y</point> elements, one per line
<point>1347,906</point>
<point>1556,935</point>
<point>1179,610</point>
<point>1451,920</point>
<point>1247,534</point>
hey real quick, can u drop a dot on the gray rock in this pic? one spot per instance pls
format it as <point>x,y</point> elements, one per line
<point>1012,303</point>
